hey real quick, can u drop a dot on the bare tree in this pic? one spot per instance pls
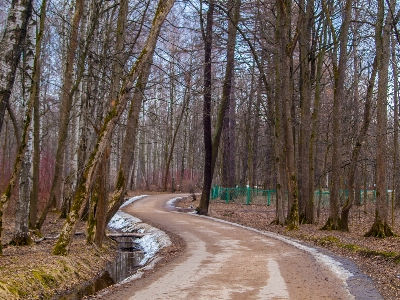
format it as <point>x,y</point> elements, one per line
<point>381,227</point>
<point>83,190</point>
<point>339,69</point>
<point>233,16</point>
<point>10,49</point>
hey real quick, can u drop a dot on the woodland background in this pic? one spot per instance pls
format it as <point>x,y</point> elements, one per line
<point>280,95</point>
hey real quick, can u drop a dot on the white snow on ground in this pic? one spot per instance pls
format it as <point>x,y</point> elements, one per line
<point>335,266</point>
<point>131,200</point>
<point>171,202</point>
<point>154,239</point>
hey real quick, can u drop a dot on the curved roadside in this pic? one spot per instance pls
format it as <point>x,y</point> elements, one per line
<point>227,261</point>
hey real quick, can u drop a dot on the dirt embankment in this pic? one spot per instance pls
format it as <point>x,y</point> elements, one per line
<point>32,272</point>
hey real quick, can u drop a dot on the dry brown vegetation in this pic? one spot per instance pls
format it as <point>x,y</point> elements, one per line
<point>32,272</point>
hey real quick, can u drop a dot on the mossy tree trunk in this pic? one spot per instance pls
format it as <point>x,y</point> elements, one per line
<point>306,199</point>
<point>34,197</point>
<point>10,52</point>
<point>128,148</point>
<point>357,150</point>
<point>381,227</point>
<point>65,109</point>
<point>285,45</point>
<point>207,86</point>
<point>29,67</point>
<point>396,161</point>
<point>339,70</point>
<point>233,16</point>
<point>10,49</point>
<point>82,194</point>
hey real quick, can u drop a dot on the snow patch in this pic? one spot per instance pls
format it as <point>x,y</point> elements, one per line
<point>153,240</point>
<point>171,202</point>
<point>131,200</point>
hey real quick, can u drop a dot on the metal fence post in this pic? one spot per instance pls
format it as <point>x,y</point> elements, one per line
<point>248,196</point>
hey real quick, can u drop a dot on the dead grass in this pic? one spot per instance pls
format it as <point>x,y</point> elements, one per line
<point>32,272</point>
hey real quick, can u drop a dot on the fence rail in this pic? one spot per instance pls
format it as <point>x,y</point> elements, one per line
<point>247,195</point>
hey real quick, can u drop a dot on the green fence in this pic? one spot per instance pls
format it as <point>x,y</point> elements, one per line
<point>244,195</point>
<point>247,195</point>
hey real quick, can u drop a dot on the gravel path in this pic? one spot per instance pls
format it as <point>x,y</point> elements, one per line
<point>226,261</point>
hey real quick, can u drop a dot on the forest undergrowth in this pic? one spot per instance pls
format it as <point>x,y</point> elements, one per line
<point>32,272</point>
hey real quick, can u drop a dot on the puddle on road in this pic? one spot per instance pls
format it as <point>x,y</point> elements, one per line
<point>127,262</point>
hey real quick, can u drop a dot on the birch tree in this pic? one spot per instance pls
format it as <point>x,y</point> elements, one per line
<point>21,234</point>
<point>83,190</point>
<point>10,49</point>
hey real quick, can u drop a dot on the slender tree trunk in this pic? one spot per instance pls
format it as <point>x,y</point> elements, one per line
<point>255,150</point>
<point>226,94</point>
<point>96,228</point>
<point>274,105</point>
<point>284,22</point>
<point>396,166</point>
<point>333,222</point>
<point>315,114</point>
<point>357,150</point>
<point>306,203</point>
<point>381,227</point>
<point>10,49</point>
<point>172,146</point>
<point>65,109</point>
<point>21,234</point>
<point>128,148</point>
<point>82,195</point>
<point>208,173</point>
<point>34,198</point>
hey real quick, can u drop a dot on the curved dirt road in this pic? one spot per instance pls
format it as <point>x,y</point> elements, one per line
<point>223,261</point>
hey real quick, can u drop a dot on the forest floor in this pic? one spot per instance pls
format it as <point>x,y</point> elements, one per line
<point>32,272</point>
<point>377,258</point>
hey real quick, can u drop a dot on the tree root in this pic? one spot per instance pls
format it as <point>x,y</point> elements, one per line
<point>331,225</point>
<point>380,230</point>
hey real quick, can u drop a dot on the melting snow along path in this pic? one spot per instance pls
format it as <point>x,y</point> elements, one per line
<point>228,261</point>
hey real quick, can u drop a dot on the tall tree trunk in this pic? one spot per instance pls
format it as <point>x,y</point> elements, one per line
<point>96,228</point>
<point>82,195</point>
<point>226,94</point>
<point>396,165</point>
<point>381,227</point>
<point>315,114</point>
<point>284,22</point>
<point>208,173</point>
<point>172,146</point>
<point>65,109</point>
<point>306,203</point>
<point>34,198</point>
<point>21,233</point>
<point>10,49</point>
<point>128,148</point>
<point>68,93</point>
<point>333,222</point>
<point>357,150</point>
<point>275,108</point>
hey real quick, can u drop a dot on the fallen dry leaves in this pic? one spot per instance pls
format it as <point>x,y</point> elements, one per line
<point>32,272</point>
